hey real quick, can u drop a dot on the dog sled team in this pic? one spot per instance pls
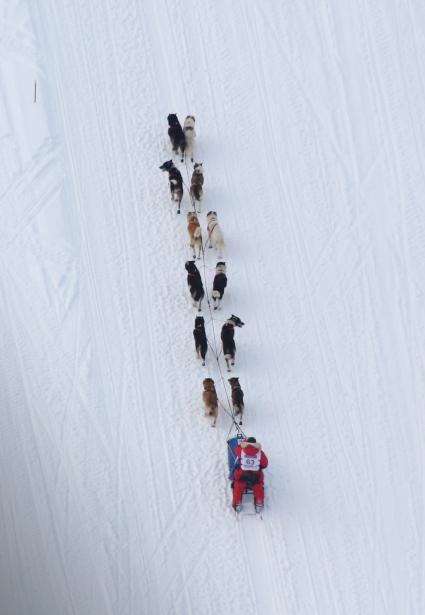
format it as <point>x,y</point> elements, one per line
<point>246,458</point>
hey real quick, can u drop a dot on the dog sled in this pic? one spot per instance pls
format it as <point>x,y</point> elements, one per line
<point>232,444</point>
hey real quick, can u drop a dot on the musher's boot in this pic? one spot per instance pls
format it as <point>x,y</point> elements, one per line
<point>259,507</point>
<point>237,507</point>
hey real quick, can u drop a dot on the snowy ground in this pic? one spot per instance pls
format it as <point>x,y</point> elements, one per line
<point>310,122</point>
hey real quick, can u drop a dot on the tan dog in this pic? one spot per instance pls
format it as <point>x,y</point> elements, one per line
<point>215,234</point>
<point>195,233</point>
<point>210,399</point>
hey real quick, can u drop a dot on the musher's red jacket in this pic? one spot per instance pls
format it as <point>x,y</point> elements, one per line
<point>250,453</point>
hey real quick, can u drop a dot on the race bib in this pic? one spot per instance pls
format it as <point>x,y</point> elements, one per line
<point>250,463</point>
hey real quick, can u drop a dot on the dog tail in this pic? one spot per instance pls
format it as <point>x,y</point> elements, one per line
<point>216,294</point>
<point>198,233</point>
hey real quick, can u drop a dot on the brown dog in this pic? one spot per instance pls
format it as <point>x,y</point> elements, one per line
<point>196,183</point>
<point>210,399</point>
<point>237,398</point>
<point>195,233</point>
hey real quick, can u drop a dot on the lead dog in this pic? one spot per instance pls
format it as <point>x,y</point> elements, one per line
<point>210,400</point>
<point>196,184</point>
<point>215,235</point>
<point>176,182</point>
<point>176,134</point>
<point>189,134</point>
<point>228,341</point>
<point>219,284</point>
<point>195,233</point>
<point>194,282</point>
<point>237,398</point>
<point>201,342</point>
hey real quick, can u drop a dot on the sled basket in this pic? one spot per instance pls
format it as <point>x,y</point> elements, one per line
<point>232,443</point>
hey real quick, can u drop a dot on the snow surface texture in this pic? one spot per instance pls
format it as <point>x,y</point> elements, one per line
<point>310,123</point>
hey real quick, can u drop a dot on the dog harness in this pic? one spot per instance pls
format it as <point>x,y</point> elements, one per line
<point>210,231</point>
<point>227,328</point>
<point>248,462</point>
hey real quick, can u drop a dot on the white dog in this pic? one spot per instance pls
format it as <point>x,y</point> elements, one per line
<point>190,134</point>
<point>215,235</point>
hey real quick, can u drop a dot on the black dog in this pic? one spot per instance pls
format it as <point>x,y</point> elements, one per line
<point>219,284</point>
<point>176,134</point>
<point>176,182</point>
<point>194,282</point>
<point>227,338</point>
<point>237,398</point>
<point>201,342</point>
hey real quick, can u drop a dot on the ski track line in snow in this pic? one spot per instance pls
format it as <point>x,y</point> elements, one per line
<point>395,147</point>
<point>263,89</point>
<point>301,252</point>
<point>37,179</point>
<point>270,340</point>
<point>125,242</point>
<point>99,319</point>
<point>40,176</point>
<point>39,466</point>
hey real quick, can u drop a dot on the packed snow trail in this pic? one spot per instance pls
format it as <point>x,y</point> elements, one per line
<point>114,491</point>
